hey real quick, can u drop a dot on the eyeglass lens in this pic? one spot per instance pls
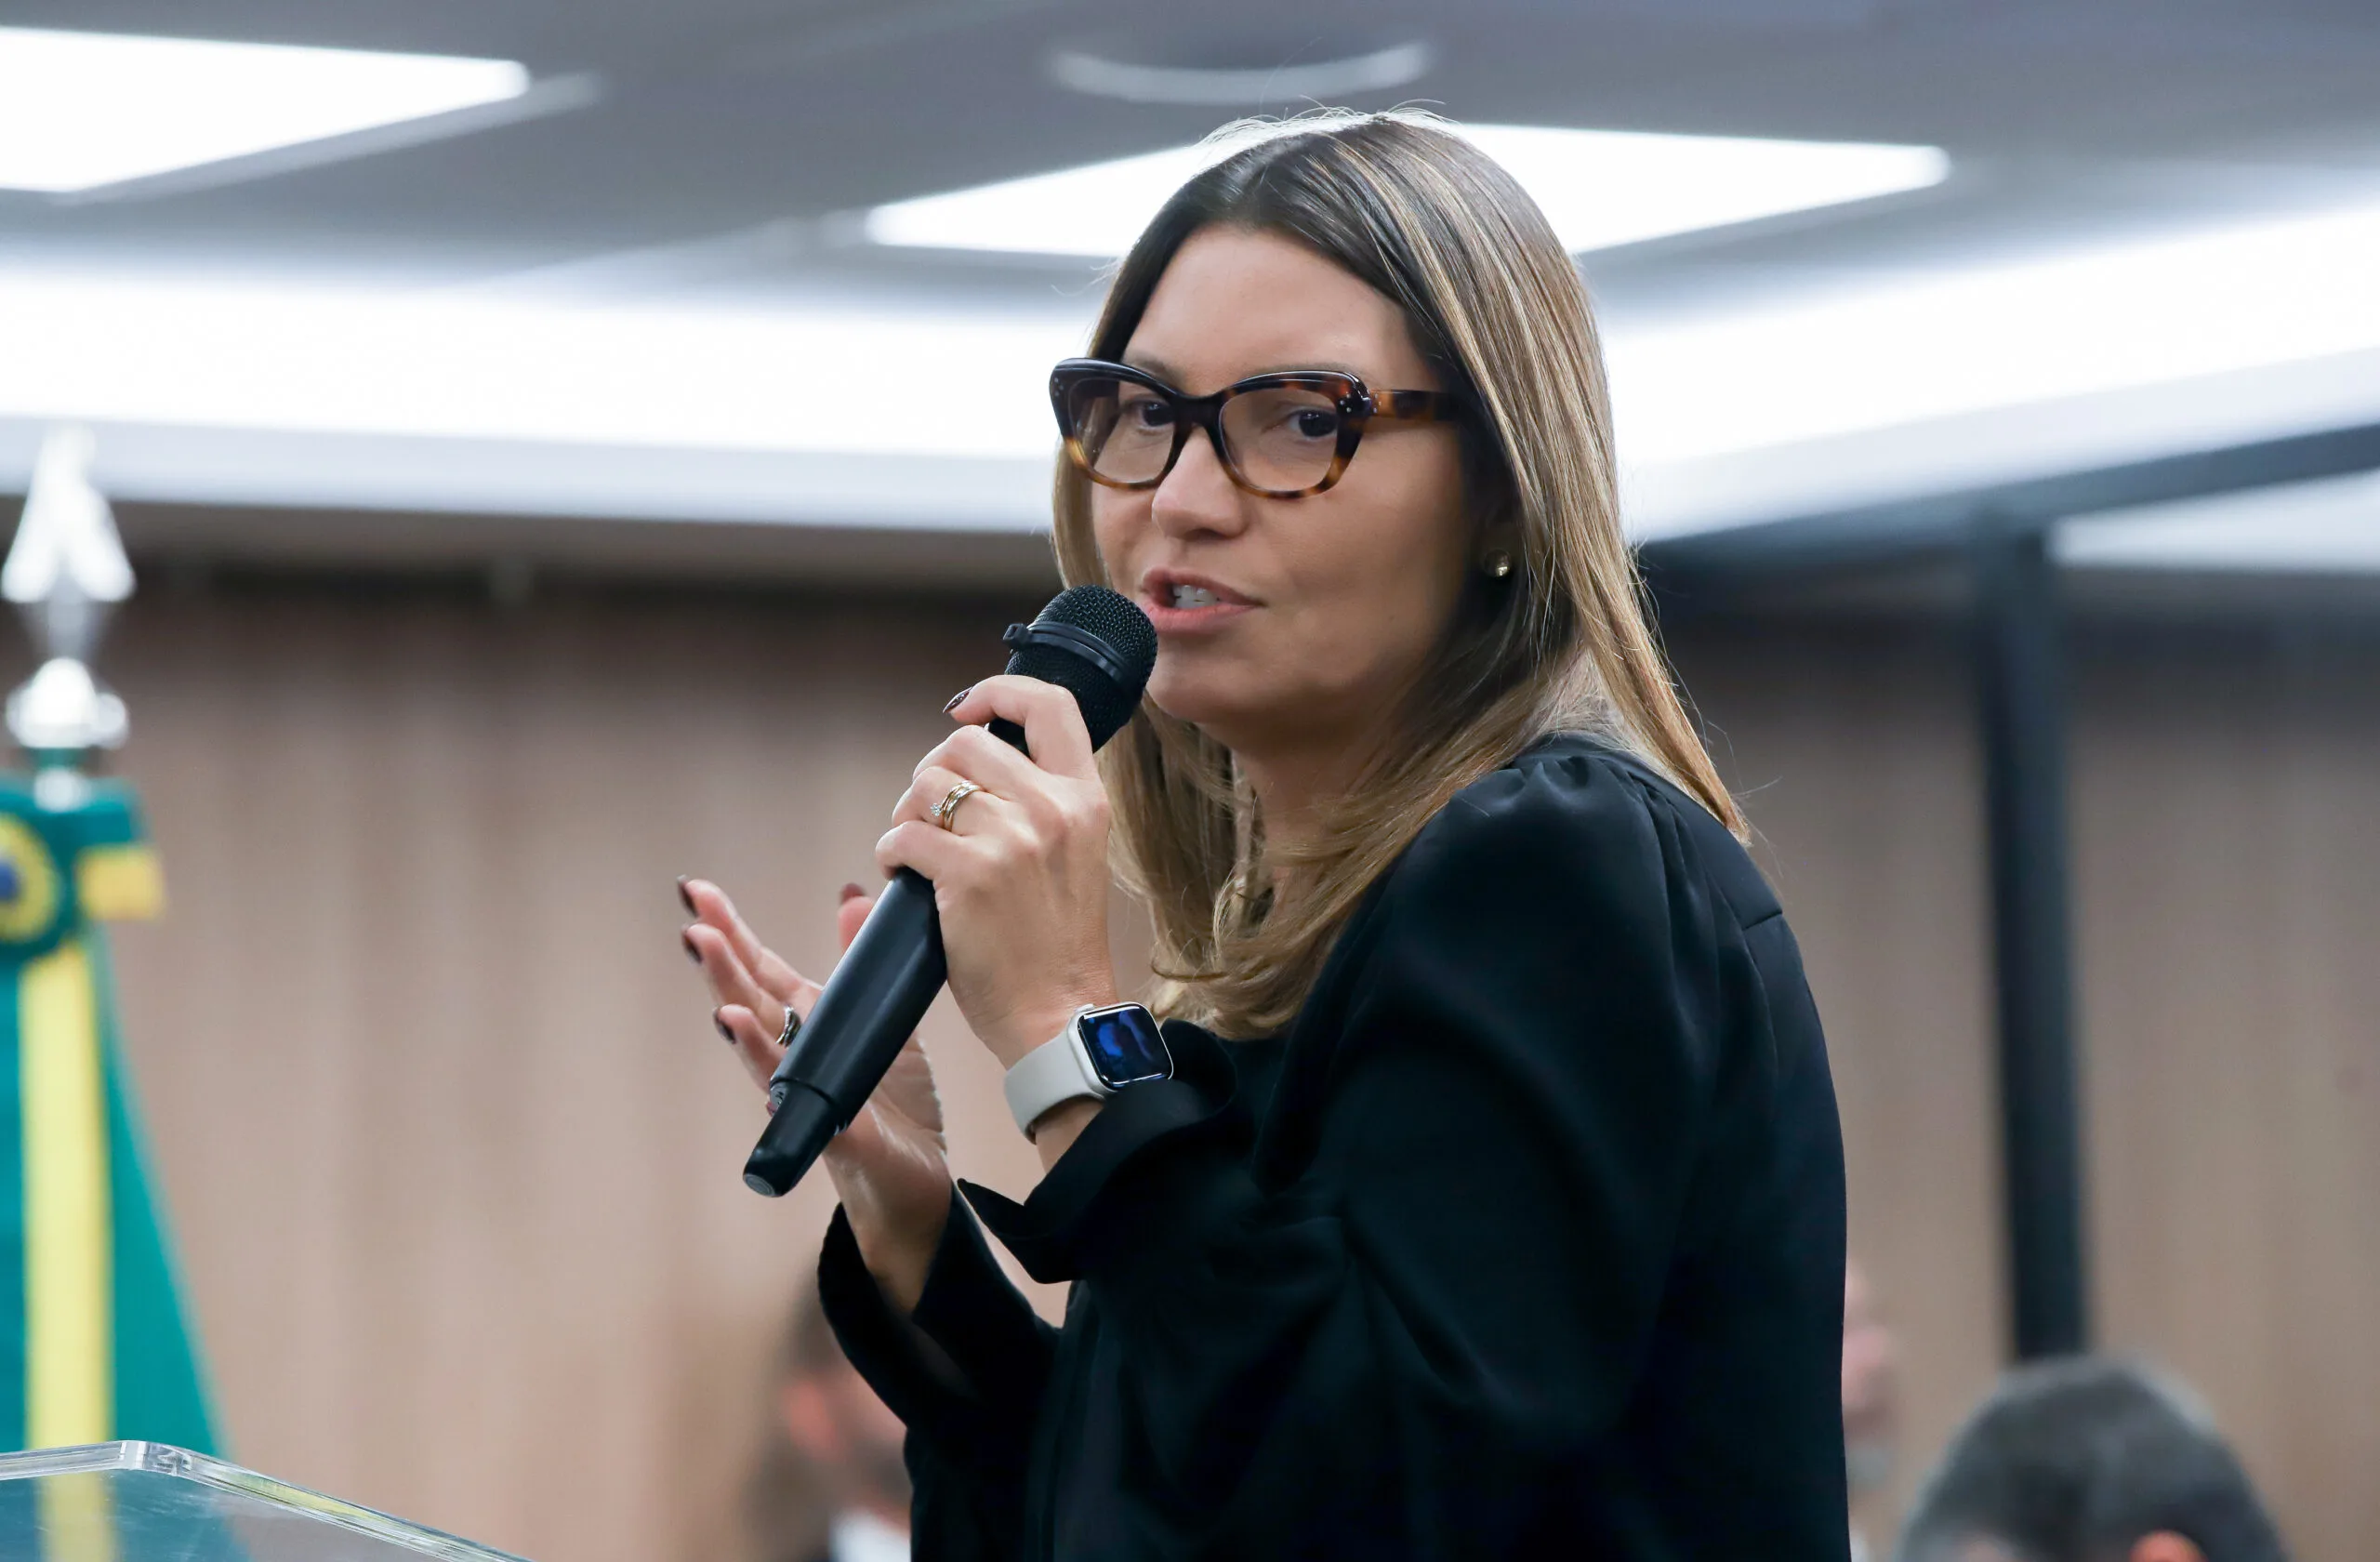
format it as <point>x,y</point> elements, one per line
<point>1282,437</point>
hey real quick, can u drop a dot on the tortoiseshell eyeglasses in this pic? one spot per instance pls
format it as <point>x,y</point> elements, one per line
<point>1281,435</point>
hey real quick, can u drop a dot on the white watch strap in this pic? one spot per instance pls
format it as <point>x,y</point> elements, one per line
<point>1052,1073</point>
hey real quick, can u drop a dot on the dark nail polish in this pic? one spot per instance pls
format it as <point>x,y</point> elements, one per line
<point>691,953</point>
<point>683,899</point>
<point>720,1025</point>
<point>852,892</point>
<point>956,698</point>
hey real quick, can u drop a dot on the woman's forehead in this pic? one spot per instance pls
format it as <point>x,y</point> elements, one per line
<point>1234,304</point>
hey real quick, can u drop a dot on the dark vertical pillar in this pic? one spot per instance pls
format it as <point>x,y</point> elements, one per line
<point>2021,685</point>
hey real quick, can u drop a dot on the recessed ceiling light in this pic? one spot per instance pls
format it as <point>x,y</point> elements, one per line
<point>1598,188</point>
<point>1223,87</point>
<point>79,111</point>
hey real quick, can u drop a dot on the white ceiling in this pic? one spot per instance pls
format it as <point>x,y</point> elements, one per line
<point>707,154</point>
<point>2070,118</point>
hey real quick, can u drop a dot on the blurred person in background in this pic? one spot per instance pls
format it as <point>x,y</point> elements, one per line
<point>1485,1197</point>
<point>829,1485</point>
<point>2088,1460</point>
<point>1871,1398</point>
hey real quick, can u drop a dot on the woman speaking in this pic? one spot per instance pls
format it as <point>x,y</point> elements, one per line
<point>1481,1194</point>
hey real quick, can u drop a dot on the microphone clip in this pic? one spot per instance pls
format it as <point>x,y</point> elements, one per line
<point>1065,636</point>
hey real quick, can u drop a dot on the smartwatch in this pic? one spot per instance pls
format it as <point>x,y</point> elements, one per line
<point>1099,1052</point>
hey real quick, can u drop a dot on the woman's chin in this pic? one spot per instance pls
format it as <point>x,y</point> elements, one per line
<point>1213,705</point>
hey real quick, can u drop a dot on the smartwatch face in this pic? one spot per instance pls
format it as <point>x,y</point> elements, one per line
<point>1124,1045</point>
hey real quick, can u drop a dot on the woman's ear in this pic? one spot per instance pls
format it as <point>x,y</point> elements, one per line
<point>2165,1546</point>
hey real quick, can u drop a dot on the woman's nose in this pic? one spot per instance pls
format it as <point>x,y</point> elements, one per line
<point>1198,496</point>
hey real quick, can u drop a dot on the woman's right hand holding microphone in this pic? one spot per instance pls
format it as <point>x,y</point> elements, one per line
<point>888,1165</point>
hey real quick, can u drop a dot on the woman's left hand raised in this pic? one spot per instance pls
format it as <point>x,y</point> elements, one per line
<point>1020,875</point>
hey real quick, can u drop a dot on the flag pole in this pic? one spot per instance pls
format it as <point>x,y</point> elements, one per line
<point>100,1354</point>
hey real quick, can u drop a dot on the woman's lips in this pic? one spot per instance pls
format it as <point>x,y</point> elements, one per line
<point>1168,619</point>
<point>1161,589</point>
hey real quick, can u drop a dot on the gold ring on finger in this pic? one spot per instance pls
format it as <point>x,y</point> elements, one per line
<point>943,812</point>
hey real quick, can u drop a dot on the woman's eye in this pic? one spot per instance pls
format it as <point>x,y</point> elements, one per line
<point>1148,413</point>
<point>1314,423</point>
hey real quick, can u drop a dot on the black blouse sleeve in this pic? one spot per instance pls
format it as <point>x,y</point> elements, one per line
<point>965,1372</point>
<point>1392,1340</point>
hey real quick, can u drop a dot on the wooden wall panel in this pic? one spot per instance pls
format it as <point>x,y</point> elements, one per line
<point>452,1149</point>
<point>2227,866</point>
<point>1853,753</point>
<point>2227,893</point>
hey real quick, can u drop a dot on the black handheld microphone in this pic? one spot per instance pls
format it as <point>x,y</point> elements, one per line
<point>1096,645</point>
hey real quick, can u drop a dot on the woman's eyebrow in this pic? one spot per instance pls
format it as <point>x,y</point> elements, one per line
<point>1167,372</point>
<point>1323,365</point>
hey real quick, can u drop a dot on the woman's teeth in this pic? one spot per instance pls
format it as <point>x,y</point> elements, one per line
<point>1193,596</point>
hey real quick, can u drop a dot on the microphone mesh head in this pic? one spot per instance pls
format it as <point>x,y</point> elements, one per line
<point>1112,619</point>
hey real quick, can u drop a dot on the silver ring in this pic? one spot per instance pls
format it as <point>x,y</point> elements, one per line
<point>792,1028</point>
<point>942,813</point>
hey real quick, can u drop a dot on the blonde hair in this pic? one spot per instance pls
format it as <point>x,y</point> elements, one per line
<point>1496,306</point>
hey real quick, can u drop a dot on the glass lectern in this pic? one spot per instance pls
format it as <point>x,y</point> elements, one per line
<point>149,1502</point>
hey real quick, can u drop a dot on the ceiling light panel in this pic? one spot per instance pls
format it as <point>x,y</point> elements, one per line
<point>79,111</point>
<point>1598,189</point>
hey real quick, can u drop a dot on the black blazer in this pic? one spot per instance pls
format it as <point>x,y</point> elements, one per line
<point>1526,1241</point>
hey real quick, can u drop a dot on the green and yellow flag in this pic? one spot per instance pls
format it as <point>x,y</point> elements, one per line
<point>94,1344</point>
